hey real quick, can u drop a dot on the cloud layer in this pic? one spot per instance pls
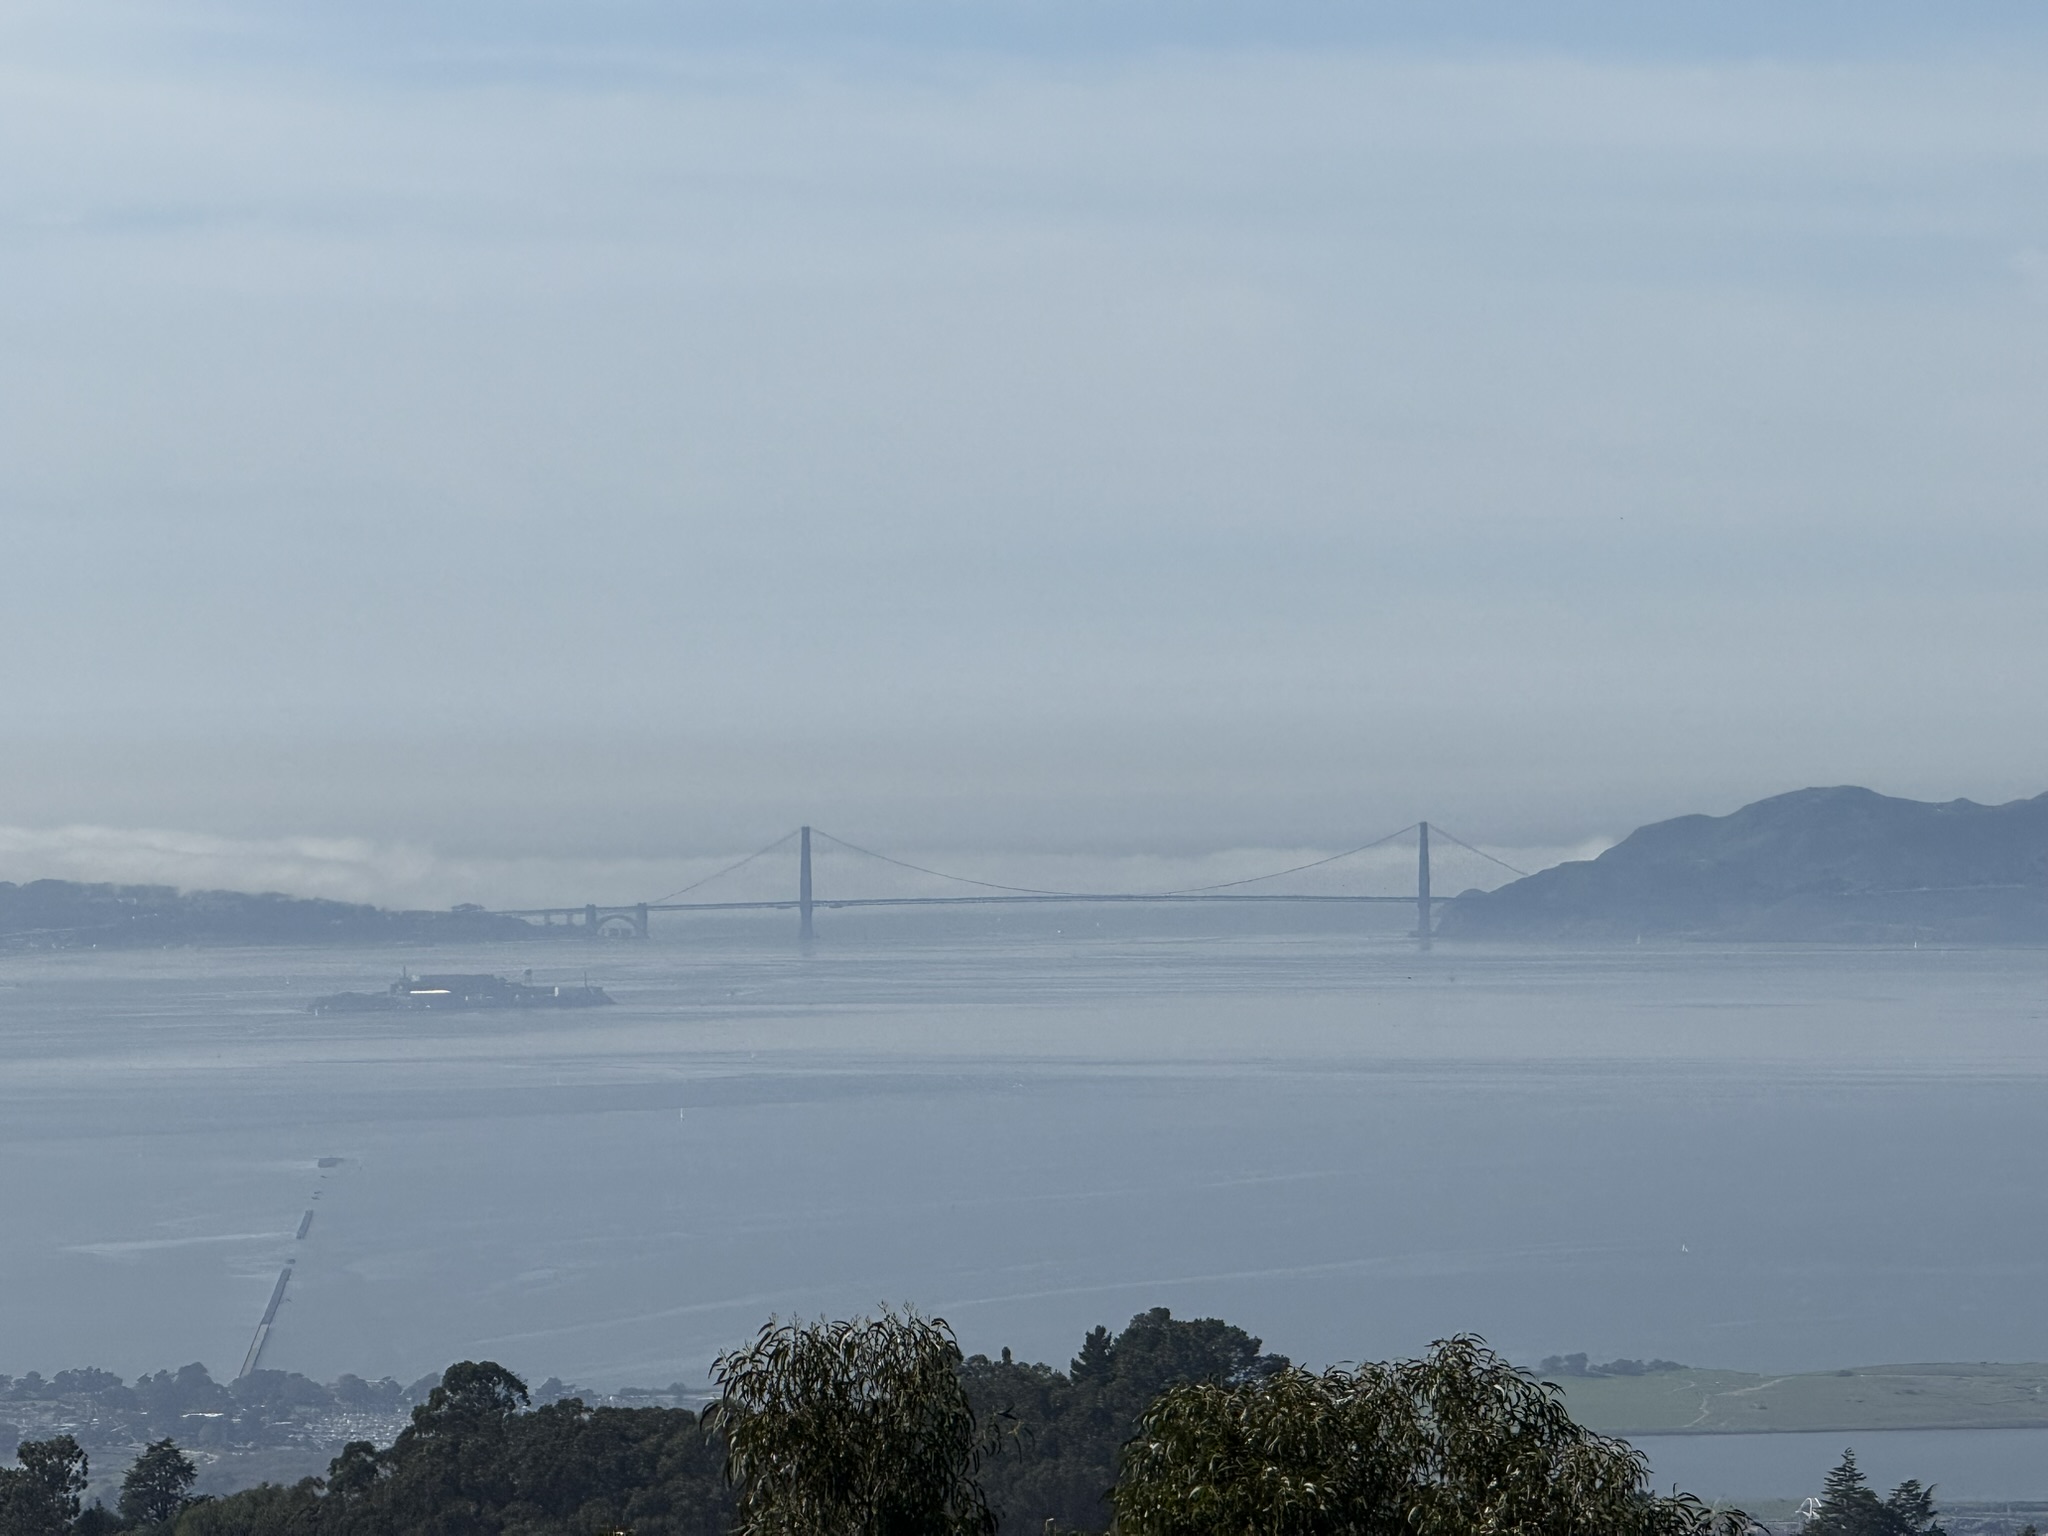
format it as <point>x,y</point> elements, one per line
<point>397,875</point>
<point>1570,432</point>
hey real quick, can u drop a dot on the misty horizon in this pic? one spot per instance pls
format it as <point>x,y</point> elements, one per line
<point>1041,431</point>
<point>401,874</point>
<point>355,869</point>
<point>484,460</point>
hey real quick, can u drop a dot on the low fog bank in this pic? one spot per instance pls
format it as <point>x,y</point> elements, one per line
<point>407,875</point>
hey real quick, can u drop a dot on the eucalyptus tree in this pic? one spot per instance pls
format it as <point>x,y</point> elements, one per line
<point>1455,1443</point>
<point>852,1428</point>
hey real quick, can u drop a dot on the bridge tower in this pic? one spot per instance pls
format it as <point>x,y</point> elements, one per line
<point>1422,925</point>
<point>804,930</point>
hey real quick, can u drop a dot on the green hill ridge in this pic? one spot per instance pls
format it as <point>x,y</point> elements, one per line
<point>1924,1396</point>
<point>1839,865</point>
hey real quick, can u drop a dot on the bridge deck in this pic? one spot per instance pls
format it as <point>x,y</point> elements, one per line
<point>791,904</point>
<point>991,894</point>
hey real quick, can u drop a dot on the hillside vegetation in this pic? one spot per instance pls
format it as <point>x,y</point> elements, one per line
<point>62,914</point>
<point>880,1427</point>
<point>1840,865</point>
<point>1867,1398</point>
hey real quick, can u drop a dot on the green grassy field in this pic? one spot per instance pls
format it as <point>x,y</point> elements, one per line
<point>1870,1397</point>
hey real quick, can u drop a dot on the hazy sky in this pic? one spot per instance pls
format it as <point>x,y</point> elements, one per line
<point>624,431</point>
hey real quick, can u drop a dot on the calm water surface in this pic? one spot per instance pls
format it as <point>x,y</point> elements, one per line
<point>1768,1159</point>
<point>1973,1466</point>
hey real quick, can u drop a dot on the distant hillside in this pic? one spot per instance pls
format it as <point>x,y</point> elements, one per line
<point>60,914</point>
<point>1841,865</point>
<point>1685,1400</point>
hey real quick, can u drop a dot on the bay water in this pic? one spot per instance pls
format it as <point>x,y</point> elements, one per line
<point>1761,1158</point>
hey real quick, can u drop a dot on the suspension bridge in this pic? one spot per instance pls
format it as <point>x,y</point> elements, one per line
<point>597,920</point>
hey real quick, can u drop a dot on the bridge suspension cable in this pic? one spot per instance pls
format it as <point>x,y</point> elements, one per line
<point>1015,890</point>
<point>1225,885</point>
<point>720,874</point>
<point>1029,890</point>
<point>1192,890</point>
<point>1437,828</point>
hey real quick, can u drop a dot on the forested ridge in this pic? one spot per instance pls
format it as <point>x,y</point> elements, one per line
<point>879,1427</point>
<point>64,914</point>
<point>570,1466</point>
<point>1830,865</point>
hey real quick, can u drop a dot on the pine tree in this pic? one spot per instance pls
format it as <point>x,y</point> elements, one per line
<point>1912,1510</point>
<point>1848,1507</point>
<point>155,1489</point>
<point>1092,1364</point>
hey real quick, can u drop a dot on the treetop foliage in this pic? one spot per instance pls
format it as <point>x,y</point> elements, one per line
<point>859,1428</point>
<point>1459,1441</point>
<point>878,1427</point>
<point>1578,1365</point>
<point>158,1485</point>
<point>40,1496</point>
<point>1849,1506</point>
<point>1071,1427</point>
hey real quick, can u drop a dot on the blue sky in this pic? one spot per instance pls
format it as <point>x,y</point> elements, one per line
<point>623,430</point>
